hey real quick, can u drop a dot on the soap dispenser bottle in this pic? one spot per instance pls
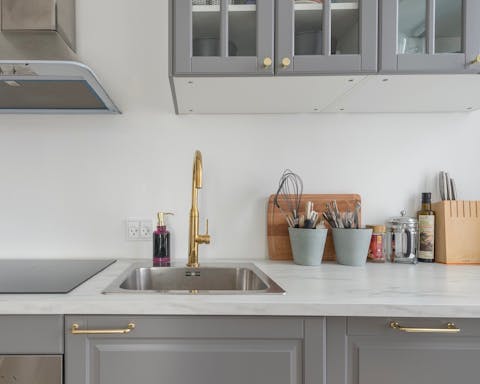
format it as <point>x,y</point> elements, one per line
<point>161,242</point>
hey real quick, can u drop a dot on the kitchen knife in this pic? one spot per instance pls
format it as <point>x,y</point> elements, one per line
<point>449,187</point>
<point>454,189</point>
<point>441,185</point>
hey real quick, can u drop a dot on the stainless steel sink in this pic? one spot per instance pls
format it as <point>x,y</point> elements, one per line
<point>208,279</point>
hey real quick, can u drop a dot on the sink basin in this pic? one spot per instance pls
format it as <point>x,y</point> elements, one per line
<point>218,279</point>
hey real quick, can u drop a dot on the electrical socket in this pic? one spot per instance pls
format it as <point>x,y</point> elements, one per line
<point>138,229</point>
<point>146,230</point>
<point>133,229</point>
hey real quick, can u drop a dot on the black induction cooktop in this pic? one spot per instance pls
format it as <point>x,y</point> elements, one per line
<point>47,276</point>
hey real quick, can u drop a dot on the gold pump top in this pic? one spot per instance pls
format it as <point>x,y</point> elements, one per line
<point>161,218</point>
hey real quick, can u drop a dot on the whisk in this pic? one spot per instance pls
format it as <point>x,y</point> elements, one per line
<point>288,196</point>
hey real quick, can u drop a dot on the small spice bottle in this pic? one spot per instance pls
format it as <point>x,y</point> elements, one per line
<point>376,252</point>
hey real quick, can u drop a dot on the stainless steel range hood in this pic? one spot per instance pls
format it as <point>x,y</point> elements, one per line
<point>39,70</point>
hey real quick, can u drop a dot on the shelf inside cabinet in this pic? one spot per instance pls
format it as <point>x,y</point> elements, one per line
<point>231,8</point>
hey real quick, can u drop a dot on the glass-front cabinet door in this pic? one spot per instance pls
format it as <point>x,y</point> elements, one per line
<point>223,36</point>
<point>326,36</point>
<point>440,36</point>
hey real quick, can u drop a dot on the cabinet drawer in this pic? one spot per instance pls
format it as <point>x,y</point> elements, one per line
<point>364,326</point>
<point>31,334</point>
<point>194,327</point>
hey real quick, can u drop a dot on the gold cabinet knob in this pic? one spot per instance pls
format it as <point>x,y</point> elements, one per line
<point>476,60</point>
<point>286,62</point>
<point>267,62</point>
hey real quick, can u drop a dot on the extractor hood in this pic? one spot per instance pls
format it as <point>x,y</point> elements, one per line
<point>39,69</point>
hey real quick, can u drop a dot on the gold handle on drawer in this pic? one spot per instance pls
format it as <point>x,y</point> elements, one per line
<point>267,62</point>
<point>475,61</point>
<point>451,328</point>
<point>286,62</point>
<point>77,331</point>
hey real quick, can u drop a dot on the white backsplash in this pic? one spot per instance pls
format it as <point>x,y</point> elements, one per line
<point>67,183</point>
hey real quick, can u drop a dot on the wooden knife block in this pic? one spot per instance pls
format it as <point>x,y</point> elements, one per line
<point>457,232</point>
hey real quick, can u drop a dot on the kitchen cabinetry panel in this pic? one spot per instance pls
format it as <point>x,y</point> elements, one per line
<point>285,94</point>
<point>369,351</point>
<point>429,36</point>
<point>205,350</point>
<point>31,334</point>
<point>196,361</point>
<point>411,93</point>
<point>426,360</point>
<point>223,37</point>
<point>326,37</point>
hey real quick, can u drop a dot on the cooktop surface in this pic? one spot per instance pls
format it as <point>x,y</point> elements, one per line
<point>47,276</point>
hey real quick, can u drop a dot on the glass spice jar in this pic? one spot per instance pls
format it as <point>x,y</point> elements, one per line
<point>376,252</point>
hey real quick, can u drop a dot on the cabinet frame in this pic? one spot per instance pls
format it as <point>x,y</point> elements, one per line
<point>185,64</point>
<point>354,341</point>
<point>364,62</point>
<point>81,360</point>
<point>430,62</point>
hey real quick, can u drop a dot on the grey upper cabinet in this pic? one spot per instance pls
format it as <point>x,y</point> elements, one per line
<point>369,351</point>
<point>223,37</point>
<point>201,350</point>
<point>430,36</point>
<point>329,36</point>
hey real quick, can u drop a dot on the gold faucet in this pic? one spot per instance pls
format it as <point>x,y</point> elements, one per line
<point>195,238</point>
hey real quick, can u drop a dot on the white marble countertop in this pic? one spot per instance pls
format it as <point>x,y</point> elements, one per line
<point>424,290</point>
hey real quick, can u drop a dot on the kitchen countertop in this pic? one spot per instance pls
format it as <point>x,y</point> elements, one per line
<point>423,290</point>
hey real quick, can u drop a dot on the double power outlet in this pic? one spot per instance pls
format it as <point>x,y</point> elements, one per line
<point>139,229</point>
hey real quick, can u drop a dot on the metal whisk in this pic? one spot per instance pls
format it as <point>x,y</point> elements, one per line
<point>288,197</point>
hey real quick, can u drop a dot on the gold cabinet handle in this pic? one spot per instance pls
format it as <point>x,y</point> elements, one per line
<point>286,62</point>
<point>77,331</point>
<point>451,328</point>
<point>267,62</point>
<point>476,60</point>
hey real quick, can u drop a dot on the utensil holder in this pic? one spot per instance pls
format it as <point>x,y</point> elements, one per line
<point>307,245</point>
<point>457,232</point>
<point>351,245</point>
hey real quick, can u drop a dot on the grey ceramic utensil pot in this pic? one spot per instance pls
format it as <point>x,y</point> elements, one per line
<point>307,245</point>
<point>351,245</point>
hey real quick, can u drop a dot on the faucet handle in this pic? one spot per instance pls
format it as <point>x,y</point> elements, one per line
<point>206,224</point>
<point>204,239</point>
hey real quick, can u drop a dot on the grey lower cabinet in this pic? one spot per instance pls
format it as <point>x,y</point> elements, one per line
<point>31,335</point>
<point>369,351</point>
<point>201,350</point>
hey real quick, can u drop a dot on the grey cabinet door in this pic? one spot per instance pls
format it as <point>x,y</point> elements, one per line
<point>372,353</point>
<point>329,37</point>
<point>223,37</point>
<point>429,36</point>
<point>203,350</point>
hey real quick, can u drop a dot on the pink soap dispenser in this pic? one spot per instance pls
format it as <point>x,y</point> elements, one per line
<point>161,242</point>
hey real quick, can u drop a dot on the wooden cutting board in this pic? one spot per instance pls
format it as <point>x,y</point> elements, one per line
<point>277,228</point>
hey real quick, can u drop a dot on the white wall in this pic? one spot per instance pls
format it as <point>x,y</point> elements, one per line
<point>68,182</point>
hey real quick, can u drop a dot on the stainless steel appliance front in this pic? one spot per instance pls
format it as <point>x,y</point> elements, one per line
<point>31,369</point>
